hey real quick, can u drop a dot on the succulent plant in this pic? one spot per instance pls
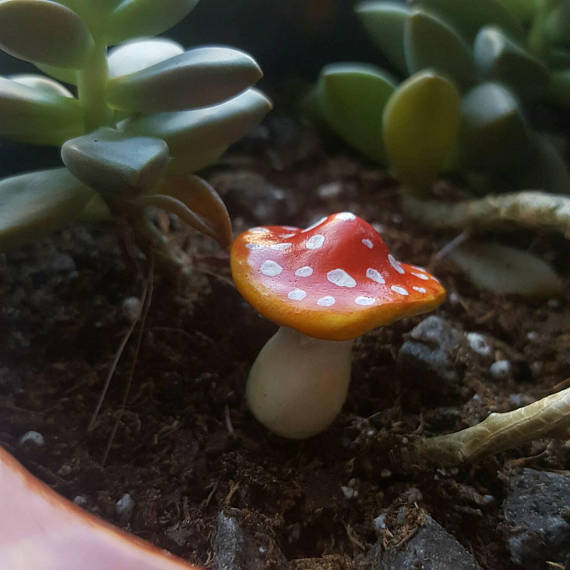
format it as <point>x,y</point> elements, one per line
<point>133,122</point>
<point>474,69</point>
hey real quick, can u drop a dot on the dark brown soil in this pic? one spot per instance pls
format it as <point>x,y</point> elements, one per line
<point>185,445</point>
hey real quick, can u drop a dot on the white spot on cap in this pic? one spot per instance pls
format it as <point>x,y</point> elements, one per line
<point>375,276</point>
<point>419,289</point>
<point>363,300</point>
<point>287,236</point>
<point>253,246</point>
<point>398,289</point>
<point>326,301</point>
<point>305,271</point>
<point>368,243</point>
<point>340,278</point>
<point>315,242</point>
<point>314,225</point>
<point>258,231</point>
<point>395,264</point>
<point>271,268</point>
<point>297,295</point>
<point>420,275</point>
<point>281,246</point>
<point>346,216</point>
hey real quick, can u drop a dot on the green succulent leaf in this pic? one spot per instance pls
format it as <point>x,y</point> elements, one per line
<point>523,10</point>
<point>196,78</point>
<point>431,43</point>
<point>45,32</point>
<point>468,17</point>
<point>199,130</point>
<point>137,55</point>
<point>499,58</point>
<point>195,160</point>
<point>506,270</point>
<point>37,116</point>
<point>557,25</point>
<point>559,89</point>
<point>494,134</point>
<point>59,73</point>
<point>420,126</point>
<point>196,203</point>
<point>384,22</point>
<point>558,58</point>
<point>36,203</point>
<point>42,83</point>
<point>132,18</point>
<point>113,163</point>
<point>351,98</point>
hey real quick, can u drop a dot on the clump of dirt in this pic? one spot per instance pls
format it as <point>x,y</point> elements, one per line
<point>185,447</point>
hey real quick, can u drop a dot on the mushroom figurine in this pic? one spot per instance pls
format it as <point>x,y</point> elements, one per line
<point>325,286</point>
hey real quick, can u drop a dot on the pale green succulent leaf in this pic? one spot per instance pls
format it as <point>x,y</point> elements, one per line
<point>431,43</point>
<point>136,55</point>
<point>420,126</point>
<point>467,17</point>
<point>557,25</point>
<point>523,10</point>
<point>113,163</point>
<point>558,58</point>
<point>558,92</point>
<point>196,203</point>
<point>42,83</point>
<point>42,31</point>
<point>96,210</point>
<point>135,18</point>
<point>197,78</point>
<point>59,73</point>
<point>197,130</point>
<point>351,98</point>
<point>506,270</point>
<point>36,116</point>
<point>194,160</point>
<point>384,22</point>
<point>37,203</point>
<point>494,134</point>
<point>501,59</point>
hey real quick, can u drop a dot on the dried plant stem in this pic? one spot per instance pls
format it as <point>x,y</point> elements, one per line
<point>529,209</point>
<point>548,417</point>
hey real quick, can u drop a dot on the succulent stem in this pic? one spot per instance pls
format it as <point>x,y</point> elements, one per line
<point>91,81</point>
<point>529,209</point>
<point>298,384</point>
<point>548,417</point>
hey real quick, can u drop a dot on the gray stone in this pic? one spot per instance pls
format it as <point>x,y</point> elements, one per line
<point>500,369</point>
<point>239,548</point>
<point>537,519</point>
<point>431,348</point>
<point>32,439</point>
<point>124,508</point>
<point>430,548</point>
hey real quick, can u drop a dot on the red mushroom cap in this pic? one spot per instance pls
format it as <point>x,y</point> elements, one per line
<point>334,280</point>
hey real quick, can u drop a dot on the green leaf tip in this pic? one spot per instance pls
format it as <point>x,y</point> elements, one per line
<point>45,32</point>
<point>384,22</point>
<point>197,78</point>
<point>113,163</point>
<point>37,203</point>
<point>351,98</point>
<point>420,127</point>
<point>429,42</point>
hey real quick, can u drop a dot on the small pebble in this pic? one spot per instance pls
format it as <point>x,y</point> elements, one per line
<point>500,369</point>
<point>380,522</point>
<point>478,344</point>
<point>453,298</point>
<point>124,507</point>
<point>331,190</point>
<point>536,367</point>
<point>80,501</point>
<point>385,473</point>
<point>520,400</point>
<point>349,492</point>
<point>532,335</point>
<point>32,438</point>
<point>132,308</point>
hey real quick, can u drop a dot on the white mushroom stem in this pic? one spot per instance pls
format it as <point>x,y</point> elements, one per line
<point>298,384</point>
